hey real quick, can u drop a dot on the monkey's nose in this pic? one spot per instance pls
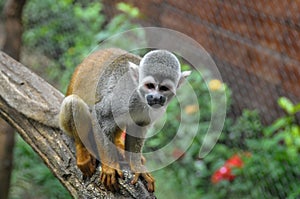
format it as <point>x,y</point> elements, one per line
<point>155,100</point>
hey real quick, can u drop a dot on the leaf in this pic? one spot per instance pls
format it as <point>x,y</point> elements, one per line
<point>286,105</point>
<point>128,9</point>
<point>296,108</point>
<point>278,124</point>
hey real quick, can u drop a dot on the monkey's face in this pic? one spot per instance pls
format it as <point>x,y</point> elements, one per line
<point>157,76</point>
<point>157,93</point>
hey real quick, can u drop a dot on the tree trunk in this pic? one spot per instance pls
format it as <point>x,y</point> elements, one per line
<point>7,141</point>
<point>12,46</point>
<point>13,27</point>
<point>31,106</point>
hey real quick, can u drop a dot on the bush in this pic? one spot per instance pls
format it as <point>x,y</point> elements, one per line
<point>249,161</point>
<point>66,31</point>
<point>272,170</point>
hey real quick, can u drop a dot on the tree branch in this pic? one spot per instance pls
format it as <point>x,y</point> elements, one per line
<point>31,106</point>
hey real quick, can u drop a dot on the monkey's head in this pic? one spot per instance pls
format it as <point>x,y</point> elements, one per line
<point>158,76</point>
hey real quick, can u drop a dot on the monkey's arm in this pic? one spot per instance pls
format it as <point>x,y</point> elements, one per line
<point>134,141</point>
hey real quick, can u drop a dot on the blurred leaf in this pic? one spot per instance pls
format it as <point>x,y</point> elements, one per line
<point>128,9</point>
<point>278,124</point>
<point>296,108</point>
<point>286,105</point>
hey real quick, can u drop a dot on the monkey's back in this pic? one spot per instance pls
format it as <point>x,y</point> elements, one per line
<point>102,67</point>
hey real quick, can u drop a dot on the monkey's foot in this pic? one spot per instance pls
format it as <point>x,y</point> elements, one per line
<point>85,162</point>
<point>108,177</point>
<point>140,170</point>
<point>149,179</point>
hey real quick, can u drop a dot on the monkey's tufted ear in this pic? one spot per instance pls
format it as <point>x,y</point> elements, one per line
<point>183,75</point>
<point>134,72</point>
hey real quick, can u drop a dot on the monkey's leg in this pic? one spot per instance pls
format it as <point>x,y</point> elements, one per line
<point>133,148</point>
<point>75,120</point>
<point>106,134</point>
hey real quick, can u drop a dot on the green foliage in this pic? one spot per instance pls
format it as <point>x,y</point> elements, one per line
<point>120,23</point>
<point>66,31</point>
<point>59,31</point>
<point>61,26</point>
<point>246,127</point>
<point>270,155</point>
<point>272,170</point>
<point>269,172</point>
<point>286,128</point>
<point>31,178</point>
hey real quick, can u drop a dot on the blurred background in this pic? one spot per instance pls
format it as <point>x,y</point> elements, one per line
<point>256,47</point>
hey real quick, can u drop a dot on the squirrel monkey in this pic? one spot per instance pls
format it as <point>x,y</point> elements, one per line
<point>112,91</point>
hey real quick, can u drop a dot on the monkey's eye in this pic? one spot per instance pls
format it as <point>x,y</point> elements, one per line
<point>163,88</point>
<point>150,86</point>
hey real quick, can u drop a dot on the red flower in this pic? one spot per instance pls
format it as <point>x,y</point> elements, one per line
<point>234,161</point>
<point>224,173</point>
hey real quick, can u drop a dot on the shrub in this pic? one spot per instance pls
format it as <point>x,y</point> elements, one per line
<point>272,169</point>
<point>249,161</point>
<point>66,31</point>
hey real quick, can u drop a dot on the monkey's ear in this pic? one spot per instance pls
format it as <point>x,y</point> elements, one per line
<point>134,72</point>
<point>183,75</point>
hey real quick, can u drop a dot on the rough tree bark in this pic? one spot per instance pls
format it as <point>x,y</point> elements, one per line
<point>31,106</point>
<point>12,46</point>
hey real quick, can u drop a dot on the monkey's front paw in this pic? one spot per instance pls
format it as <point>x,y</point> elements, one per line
<point>86,163</point>
<point>147,176</point>
<point>109,177</point>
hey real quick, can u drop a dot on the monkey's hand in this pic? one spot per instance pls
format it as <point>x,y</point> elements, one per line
<point>109,176</point>
<point>141,170</point>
